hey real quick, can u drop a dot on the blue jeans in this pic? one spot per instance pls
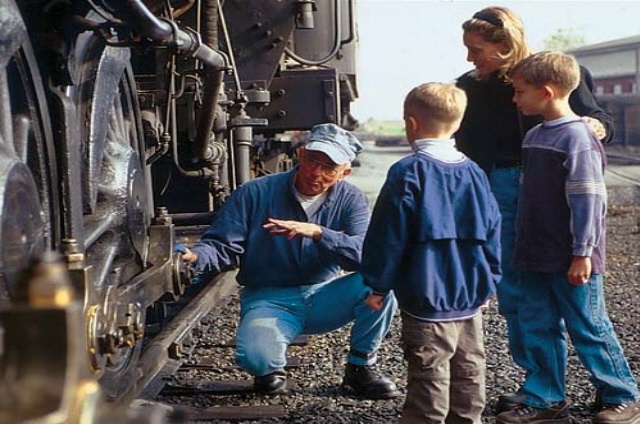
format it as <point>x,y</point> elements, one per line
<point>550,299</point>
<point>505,185</point>
<point>271,318</point>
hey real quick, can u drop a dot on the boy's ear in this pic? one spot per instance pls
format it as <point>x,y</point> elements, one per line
<point>549,92</point>
<point>456,126</point>
<point>412,123</point>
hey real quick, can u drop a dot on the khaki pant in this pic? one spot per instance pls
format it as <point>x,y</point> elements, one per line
<point>446,375</point>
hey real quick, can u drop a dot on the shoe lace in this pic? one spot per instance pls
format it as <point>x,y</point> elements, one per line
<point>618,409</point>
<point>524,411</point>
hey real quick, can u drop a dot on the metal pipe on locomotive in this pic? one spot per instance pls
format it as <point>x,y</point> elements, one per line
<point>121,119</point>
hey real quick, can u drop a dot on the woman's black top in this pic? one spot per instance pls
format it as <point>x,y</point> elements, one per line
<point>492,129</point>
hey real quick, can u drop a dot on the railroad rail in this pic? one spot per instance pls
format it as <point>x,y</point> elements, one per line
<point>623,158</point>
<point>622,177</point>
<point>626,175</point>
<point>166,349</point>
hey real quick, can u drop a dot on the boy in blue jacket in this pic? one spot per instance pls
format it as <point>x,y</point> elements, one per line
<point>434,239</point>
<point>560,240</point>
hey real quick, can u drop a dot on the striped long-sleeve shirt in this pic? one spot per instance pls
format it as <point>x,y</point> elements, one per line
<point>563,199</point>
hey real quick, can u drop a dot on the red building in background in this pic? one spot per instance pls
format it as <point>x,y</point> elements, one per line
<point>615,66</point>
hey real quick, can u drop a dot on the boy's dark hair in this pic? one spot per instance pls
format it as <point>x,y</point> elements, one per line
<point>549,67</point>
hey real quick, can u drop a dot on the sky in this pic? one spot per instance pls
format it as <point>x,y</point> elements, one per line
<point>403,43</point>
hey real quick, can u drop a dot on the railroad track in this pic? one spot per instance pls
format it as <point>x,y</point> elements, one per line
<point>628,176</point>
<point>623,158</point>
<point>186,374</point>
<point>166,351</point>
<point>624,167</point>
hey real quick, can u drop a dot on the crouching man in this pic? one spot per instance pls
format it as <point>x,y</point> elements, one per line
<point>293,232</point>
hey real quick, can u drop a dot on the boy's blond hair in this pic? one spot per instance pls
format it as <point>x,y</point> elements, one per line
<point>436,104</point>
<point>549,67</point>
<point>500,25</point>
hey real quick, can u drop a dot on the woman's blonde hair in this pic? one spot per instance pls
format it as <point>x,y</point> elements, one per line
<point>500,25</point>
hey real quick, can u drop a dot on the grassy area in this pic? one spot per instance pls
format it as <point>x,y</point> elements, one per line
<point>384,128</point>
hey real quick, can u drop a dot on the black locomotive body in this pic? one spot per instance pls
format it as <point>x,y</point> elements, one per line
<point>120,119</point>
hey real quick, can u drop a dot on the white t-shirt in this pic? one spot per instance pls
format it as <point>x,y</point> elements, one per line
<point>310,204</point>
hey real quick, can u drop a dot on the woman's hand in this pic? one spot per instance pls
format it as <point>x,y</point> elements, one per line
<point>597,127</point>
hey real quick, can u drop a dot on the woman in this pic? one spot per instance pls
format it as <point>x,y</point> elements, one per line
<point>491,133</point>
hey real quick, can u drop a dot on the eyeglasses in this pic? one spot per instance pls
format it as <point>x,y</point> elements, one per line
<point>327,170</point>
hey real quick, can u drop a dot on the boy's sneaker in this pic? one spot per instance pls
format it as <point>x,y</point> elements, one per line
<point>624,413</point>
<point>558,413</point>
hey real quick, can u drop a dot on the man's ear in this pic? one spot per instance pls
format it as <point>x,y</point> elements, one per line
<point>346,171</point>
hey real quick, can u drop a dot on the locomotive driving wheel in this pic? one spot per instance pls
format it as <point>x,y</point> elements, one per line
<point>28,195</point>
<point>116,208</point>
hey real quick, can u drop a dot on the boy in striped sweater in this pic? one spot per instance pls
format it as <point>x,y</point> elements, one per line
<point>560,240</point>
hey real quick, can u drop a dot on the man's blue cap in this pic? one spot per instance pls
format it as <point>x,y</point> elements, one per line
<point>339,144</point>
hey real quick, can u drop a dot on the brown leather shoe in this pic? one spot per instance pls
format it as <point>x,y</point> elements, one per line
<point>624,413</point>
<point>558,413</point>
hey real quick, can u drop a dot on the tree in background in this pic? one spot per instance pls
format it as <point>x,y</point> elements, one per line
<point>564,39</point>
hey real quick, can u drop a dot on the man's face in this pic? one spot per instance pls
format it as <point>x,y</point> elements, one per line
<point>317,173</point>
<point>529,98</point>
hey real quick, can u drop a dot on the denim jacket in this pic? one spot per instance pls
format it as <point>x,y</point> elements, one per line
<point>273,261</point>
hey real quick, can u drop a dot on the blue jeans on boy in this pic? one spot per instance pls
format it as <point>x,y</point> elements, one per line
<point>550,298</point>
<point>505,185</point>
<point>271,318</point>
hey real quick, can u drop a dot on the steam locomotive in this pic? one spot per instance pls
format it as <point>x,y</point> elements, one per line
<point>119,116</point>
